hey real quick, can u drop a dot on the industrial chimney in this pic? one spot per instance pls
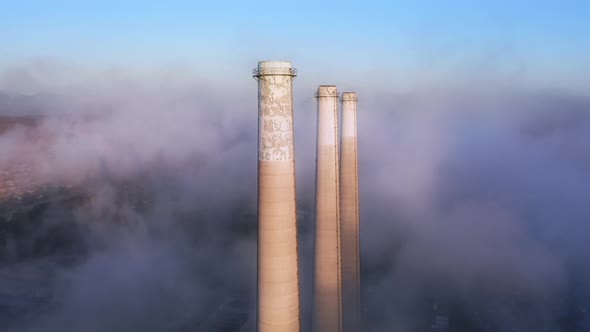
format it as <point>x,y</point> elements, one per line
<point>327,311</point>
<point>349,215</point>
<point>278,275</point>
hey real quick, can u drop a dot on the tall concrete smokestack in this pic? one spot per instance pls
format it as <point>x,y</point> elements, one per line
<point>349,215</point>
<point>327,282</point>
<point>278,275</point>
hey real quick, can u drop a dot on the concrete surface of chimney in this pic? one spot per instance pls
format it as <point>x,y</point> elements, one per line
<point>349,215</point>
<point>278,274</point>
<point>327,310</point>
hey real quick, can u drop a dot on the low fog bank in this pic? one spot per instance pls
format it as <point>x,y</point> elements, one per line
<point>471,201</point>
<point>163,223</point>
<point>477,205</point>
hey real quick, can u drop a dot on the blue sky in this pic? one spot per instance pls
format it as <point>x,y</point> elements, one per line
<point>545,42</point>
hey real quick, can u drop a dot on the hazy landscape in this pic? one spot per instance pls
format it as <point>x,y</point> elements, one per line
<point>129,141</point>
<point>473,208</point>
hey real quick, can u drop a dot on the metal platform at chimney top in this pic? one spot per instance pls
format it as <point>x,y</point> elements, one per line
<point>274,71</point>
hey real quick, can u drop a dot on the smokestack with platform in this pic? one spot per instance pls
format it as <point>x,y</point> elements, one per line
<point>278,275</point>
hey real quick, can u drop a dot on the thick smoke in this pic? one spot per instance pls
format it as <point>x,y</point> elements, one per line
<point>473,201</point>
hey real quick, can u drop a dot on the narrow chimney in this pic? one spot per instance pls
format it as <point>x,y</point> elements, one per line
<point>349,215</point>
<point>278,275</point>
<point>327,282</point>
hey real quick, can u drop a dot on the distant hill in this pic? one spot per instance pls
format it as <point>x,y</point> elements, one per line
<point>18,105</point>
<point>9,122</point>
